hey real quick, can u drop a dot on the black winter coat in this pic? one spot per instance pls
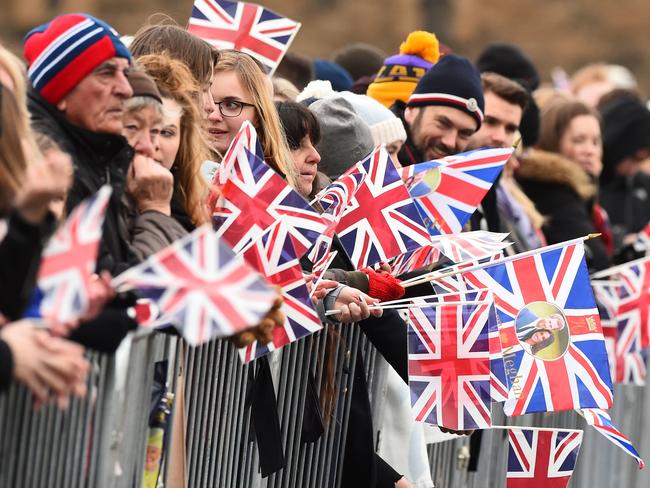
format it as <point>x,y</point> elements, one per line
<point>564,194</point>
<point>627,202</point>
<point>98,159</point>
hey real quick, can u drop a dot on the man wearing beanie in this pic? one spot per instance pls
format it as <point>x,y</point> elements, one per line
<point>624,187</point>
<point>444,111</point>
<point>77,67</point>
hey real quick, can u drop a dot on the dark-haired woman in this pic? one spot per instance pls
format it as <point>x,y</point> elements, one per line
<point>361,466</point>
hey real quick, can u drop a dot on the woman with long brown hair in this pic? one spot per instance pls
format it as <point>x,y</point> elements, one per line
<point>183,147</point>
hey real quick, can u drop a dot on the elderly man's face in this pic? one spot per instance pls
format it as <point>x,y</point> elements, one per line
<point>439,131</point>
<point>97,102</point>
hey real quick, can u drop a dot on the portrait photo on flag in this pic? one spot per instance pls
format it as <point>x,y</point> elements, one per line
<point>553,346</point>
<point>447,191</point>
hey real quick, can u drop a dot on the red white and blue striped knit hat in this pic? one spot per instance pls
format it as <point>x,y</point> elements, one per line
<point>64,51</point>
<point>452,82</point>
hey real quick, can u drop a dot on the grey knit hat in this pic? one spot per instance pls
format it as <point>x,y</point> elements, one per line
<point>345,138</point>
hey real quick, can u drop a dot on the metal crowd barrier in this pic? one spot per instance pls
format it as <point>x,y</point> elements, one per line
<point>101,440</point>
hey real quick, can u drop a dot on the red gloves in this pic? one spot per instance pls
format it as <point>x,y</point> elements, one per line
<point>383,286</point>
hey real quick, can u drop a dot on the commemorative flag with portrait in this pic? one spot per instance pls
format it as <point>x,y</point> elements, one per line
<point>447,191</point>
<point>449,363</point>
<point>541,458</point>
<point>245,27</point>
<point>551,336</point>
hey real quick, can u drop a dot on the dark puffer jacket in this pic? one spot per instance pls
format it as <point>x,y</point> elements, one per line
<point>564,194</point>
<point>98,159</point>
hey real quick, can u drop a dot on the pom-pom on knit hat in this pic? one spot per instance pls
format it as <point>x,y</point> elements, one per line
<point>400,74</point>
<point>64,51</point>
<point>453,82</point>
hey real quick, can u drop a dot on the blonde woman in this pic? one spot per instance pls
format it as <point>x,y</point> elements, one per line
<point>241,91</point>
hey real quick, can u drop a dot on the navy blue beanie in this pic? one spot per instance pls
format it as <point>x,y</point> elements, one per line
<point>334,73</point>
<point>452,82</point>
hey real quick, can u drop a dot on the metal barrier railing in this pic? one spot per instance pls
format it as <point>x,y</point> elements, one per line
<point>101,440</point>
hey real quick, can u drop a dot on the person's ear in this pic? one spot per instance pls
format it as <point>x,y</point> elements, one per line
<point>409,114</point>
<point>62,105</point>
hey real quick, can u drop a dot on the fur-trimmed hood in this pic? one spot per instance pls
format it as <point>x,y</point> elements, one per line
<point>548,167</point>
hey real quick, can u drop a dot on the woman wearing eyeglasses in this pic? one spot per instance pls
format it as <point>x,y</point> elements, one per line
<point>240,91</point>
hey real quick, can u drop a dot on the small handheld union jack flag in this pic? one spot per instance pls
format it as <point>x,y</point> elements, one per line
<point>254,197</point>
<point>601,421</point>
<point>449,364</point>
<point>245,27</point>
<point>550,330</point>
<point>381,220</point>
<point>448,191</point>
<point>70,258</point>
<point>281,268</point>
<point>201,287</point>
<point>542,458</point>
<point>606,296</point>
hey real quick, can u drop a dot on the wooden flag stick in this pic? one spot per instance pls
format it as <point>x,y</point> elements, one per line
<point>414,305</point>
<point>428,297</point>
<point>436,275</point>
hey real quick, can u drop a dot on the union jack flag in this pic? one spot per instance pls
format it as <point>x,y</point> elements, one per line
<point>254,197</point>
<point>412,260</point>
<point>602,422</point>
<point>70,258</point>
<point>630,358</point>
<point>246,27</point>
<point>607,301</point>
<point>281,268</point>
<point>381,220</point>
<point>336,197</point>
<point>542,458</point>
<point>200,286</point>
<point>448,191</point>
<point>634,297</point>
<point>462,247</point>
<point>499,384</point>
<point>569,369</point>
<point>449,364</point>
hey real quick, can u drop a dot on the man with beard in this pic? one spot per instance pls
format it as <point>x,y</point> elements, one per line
<point>444,111</point>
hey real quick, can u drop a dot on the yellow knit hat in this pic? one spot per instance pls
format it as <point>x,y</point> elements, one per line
<point>400,74</point>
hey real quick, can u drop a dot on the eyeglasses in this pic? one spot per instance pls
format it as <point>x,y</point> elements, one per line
<point>232,108</point>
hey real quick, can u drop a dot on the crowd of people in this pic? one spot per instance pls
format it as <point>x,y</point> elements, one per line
<point>149,115</point>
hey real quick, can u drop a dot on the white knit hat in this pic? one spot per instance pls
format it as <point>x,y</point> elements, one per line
<point>386,128</point>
